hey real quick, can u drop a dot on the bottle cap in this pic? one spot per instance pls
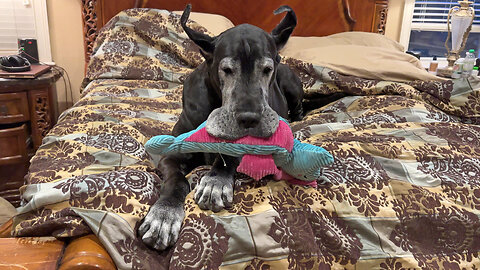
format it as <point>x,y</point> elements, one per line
<point>471,51</point>
<point>475,68</point>
<point>434,58</point>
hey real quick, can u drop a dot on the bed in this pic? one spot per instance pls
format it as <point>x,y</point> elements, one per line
<point>402,193</point>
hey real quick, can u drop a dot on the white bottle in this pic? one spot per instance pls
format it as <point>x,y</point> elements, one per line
<point>468,63</point>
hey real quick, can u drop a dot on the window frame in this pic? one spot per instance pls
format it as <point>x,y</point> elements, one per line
<point>43,32</point>
<point>406,23</point>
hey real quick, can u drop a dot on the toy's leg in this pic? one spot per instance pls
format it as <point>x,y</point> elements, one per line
<point>215,190</point>
<point>161,226</point>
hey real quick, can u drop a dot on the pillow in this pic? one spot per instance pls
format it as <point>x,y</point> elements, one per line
<point>214,23</point>
<point>371,57</point>
<point>144,44</point>
<point>344,38</point>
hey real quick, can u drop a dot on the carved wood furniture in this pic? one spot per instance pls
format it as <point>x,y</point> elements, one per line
<point>27,113</point>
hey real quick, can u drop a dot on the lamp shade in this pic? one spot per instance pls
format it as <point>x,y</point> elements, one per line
<point>461,19</point>
<point>460,25</point>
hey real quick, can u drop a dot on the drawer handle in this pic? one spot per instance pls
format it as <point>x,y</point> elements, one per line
<point>3,110</point>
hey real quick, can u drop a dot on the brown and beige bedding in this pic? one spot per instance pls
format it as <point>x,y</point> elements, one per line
<point>403,192</point>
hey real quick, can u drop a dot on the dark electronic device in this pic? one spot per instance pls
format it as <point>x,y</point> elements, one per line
<point>28,49</point>
<point>14,63</point>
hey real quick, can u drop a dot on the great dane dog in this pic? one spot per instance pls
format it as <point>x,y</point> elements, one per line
<point>240,89</point>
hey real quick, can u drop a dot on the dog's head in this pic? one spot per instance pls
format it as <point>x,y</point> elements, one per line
<point>242,63</point>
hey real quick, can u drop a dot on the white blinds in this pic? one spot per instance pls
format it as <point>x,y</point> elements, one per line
<point>436,11</point>
<point>17,20</point>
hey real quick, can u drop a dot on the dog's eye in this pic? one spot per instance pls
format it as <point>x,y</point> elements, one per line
<point>228,71</point>
<point>267,70</point>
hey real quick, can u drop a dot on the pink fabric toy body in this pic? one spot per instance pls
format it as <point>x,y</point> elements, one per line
<point>254,165</point>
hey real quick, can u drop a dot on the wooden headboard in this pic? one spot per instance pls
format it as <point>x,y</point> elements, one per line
<point>315,17</point>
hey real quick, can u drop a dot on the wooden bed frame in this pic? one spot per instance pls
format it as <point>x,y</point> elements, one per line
<point>315,18</point>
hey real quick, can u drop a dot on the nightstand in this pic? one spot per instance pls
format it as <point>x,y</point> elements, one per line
<point>27,113</point>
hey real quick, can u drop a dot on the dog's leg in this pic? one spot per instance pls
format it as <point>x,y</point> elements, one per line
<point>161,226</point>
<point>215,190</point>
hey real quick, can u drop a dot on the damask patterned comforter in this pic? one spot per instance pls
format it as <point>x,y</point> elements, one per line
<point>403,192</point>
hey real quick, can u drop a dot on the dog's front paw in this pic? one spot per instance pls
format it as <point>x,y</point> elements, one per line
<point>161,226</point>
<point>214,192</point>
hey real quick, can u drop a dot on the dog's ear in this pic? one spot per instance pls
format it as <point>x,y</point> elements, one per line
<point>284,29</point>
<point>205,42</point>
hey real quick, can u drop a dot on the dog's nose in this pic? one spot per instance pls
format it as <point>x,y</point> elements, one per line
<point>248,119</point>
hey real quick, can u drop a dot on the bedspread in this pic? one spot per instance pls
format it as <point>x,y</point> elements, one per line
<point>403,192</point>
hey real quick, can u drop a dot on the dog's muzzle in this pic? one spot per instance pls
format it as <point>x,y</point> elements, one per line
<point>228,125</point>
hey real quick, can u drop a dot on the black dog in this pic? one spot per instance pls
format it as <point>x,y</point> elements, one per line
<point>240,89</point>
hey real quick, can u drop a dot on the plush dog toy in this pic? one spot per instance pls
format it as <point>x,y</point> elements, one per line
<point>280,155</point>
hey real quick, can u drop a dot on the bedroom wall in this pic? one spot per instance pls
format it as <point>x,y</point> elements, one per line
<point>394,19</point>
<point>66,39</point>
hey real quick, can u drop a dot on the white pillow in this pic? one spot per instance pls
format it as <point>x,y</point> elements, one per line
<point>344,38</point>
<point>381,63</point>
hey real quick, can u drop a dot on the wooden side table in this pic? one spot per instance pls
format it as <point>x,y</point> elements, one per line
<point>27,113</point>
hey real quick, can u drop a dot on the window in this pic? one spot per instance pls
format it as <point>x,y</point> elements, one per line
<point>424,28</point>
<point>24,19</point>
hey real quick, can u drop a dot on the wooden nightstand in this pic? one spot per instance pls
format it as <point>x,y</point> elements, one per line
<point>27,113</point>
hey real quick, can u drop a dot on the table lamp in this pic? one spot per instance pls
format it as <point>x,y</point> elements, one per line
<point>461,20</point>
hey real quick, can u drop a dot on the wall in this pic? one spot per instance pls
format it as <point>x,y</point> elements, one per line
<point>394,19</point>
<point>66,39</point>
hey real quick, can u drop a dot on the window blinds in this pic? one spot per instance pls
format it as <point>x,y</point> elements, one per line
<point>436,11</point>
<point>16,21</point>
